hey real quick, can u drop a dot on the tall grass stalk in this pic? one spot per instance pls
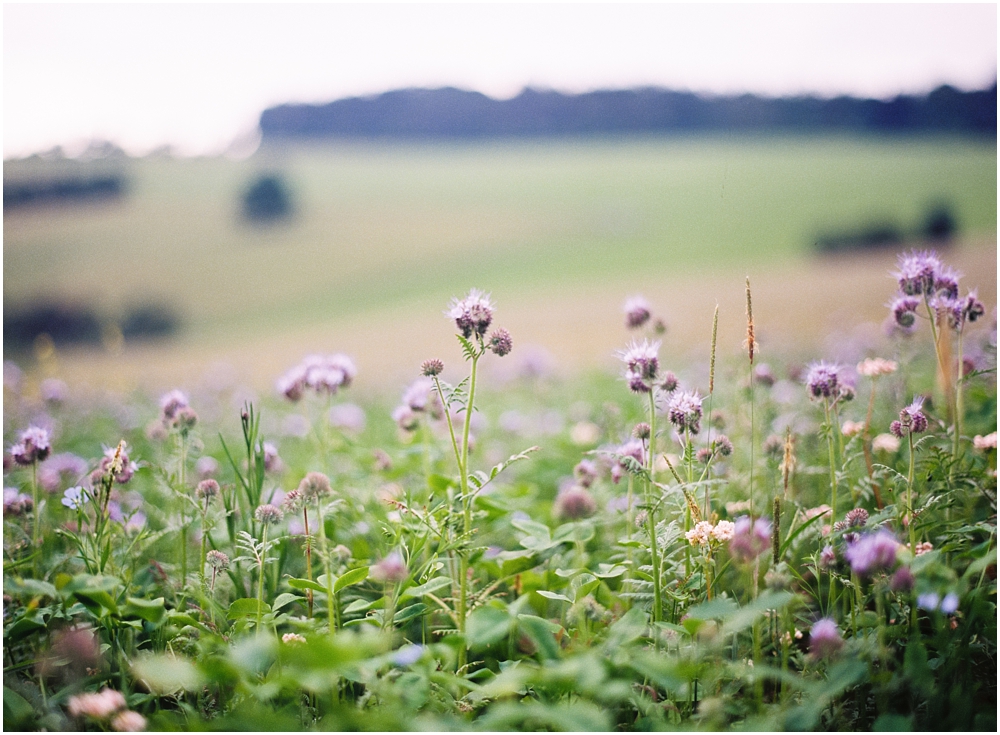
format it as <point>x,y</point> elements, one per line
<point>751,346</point>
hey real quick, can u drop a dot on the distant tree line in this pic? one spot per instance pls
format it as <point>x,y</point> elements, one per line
<point>65,189</point>
<point>81,324</point>
<point>455,113</point>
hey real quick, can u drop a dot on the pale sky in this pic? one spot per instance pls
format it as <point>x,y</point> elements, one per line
<point>198,76</point>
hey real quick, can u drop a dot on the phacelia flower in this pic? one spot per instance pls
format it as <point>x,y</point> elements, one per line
<point>115,463</point>
<point>217,560</point>
<point>33,445</point>
<point>293,501</point>
<point>911,420</point>
<point>268,514</point>
<point>637,312</point>
<point>391,569</point>
<point>972,307</point>
<point>684,411</point>
<point>432,367</point>
<point>52,472</point>
<point>473,314</point>
<point>904,311</point>
<point>500,342</point>
<point>574,503</point>
<point>641,360</point>
<point>873,367</point>
<point>585,472</point>
<point>170,404</point>
<point>918,272</point>
<point>323,374</point>
<point>825,639</point>
<point>75,498</point>
<point>750,538</point>
<point>823,380</point>
<point>207,490</point>
<point>703,455</point>
<point>722,445</point>
<point>16,503</point>
<point>668,382</point>
<point>314,486</point>
<point>873,552</point>
<point>634,449</point>
<point>641,430</point>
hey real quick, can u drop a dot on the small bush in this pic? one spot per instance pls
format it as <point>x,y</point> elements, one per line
<point>267,200</point>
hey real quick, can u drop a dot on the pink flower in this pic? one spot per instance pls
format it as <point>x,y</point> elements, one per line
<point>825,639</point>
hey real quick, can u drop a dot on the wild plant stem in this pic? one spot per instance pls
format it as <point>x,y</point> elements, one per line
<point>463,565</point>
<point>260,579</point>
<point>37,520</point>
<point>309,560</point>
<point>909,498</point>
<point>959,385</point>
<point>330,601</point>
<point>651,510</point>
<point>833,482</point>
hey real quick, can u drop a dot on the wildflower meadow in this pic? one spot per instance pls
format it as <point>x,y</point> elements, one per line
<point>741,544</point>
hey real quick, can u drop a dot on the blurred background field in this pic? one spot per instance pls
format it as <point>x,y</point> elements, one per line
<point>381,235</point>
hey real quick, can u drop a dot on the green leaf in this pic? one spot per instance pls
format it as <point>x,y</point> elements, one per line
<point>165,674</point>
<point>607,571</point>
<point>352,577</point>
<point>245,607</point>
<point>409,613</point>
<point>892,723</point>
<point>31,588</point>
<point>363,605</point>
<point>17,712</point>
<point>585,589</point>
<point>468,349</point>
<point>285,598</point>
<point>799,529</point>
<point>916,668</point>
<point>24,626</point>
<point>151,610</point>
<point>541,632</point>
<point>554,596</point>
<point>533,528</point>
<point>745,617</point>
<point>486,626</point>
<point>96,601</point>
<point>429,587</point>
<point>305,584</point>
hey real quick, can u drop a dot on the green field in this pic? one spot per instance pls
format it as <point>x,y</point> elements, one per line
<point>385,232</point>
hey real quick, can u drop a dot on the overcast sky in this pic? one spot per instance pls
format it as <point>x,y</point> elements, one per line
<point>197,76</point>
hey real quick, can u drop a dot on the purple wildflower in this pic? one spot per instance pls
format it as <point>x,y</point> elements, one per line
<point>668,382</point>
<point>918,272</point>
<point>949,604</point>
<point>637,312</point>
<point>34,445</point>
<point>170,404</point>
<point>928,601</point>
<point>902,581</point>
<point>750,538</point>
<point>207,490</point>
<point>946,282</point>
<point>500,342</point>
<point>823,380</point>
<point>272,462</point>
<point>390,569</point>
<point>827,557</point>
<point>574,503</point>
<point>75,498</point>
<point>911,419</point>
<point>722,445</point>
<point>432,367</point>
<point>217,560</point>
<point>473,314</point>
<point>684,411</point>
<point>904,311</point>
<point>873,552</point>
<point>16,503</point>
<point>314,486</point>
<point>825,639</point>
<point>268,514</point>
<point>585,472</point>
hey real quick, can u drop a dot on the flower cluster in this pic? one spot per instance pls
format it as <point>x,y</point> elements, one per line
<point>16,503</point>
<point>642,365</point>
<point>705,533</point>
<point>419,399</point>
<point>923,275</point>
<point>911,420</point>
<point>33,445</point>
<point>175,413</point>
<point>824,380</point>
<point>106,704</point>
<point>574,503</point>
<point>872,552</point>
<point>322,374</point>
<point>825,639</point>
<point>684,411</point>
<point>873,367</point>
<point>473,314</point>
<point>115,464</point>
<point>633,449</point>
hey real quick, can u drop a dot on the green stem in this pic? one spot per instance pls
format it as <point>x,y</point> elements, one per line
<point>330,601</point>
<point>833,483</point>
<point>752,427</point>
<point>463,566</point>
<point>37,520</point>
<point>309,559</point>
<point>204,546</point>
<point>909,498</point>
<point>651,508</point>
<point>260,580</point>
<point>959,385</point>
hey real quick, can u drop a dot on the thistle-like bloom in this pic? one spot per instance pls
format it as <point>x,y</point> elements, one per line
<point>684,411</point>
<point>668,382</point>
<point>750,538</point>
<point>207,490</point>
<point>473,314</point>
<point>641,360</point>
<point>873,552</point>
<point>722,445</point>
<point>825,639</point>
<point>637,312</point>
<point>432,367</point>
<point>904,311</point>
<point>946,282</point>
<point>856,517</point>
<point>574,503</point>
<point>419,394</point>
<point>75,498</point>
<point>972,307</point>
<point>16,503</point>
<point>170,404</point>
<point>911,420</point>
<point>873,367</point>
<point>121,470</point>
<point>314,486</point>
<point>323,374</point>
<point>391,569</point>
<point>217,560</point>
<point>585,472</point>
<point>918,272</point>
<point>823,380</point>
<point>33,445</point>
<point>641,430</point>
<point>268,514</point>
<point>500,342</point>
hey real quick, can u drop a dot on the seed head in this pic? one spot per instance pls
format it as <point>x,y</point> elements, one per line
<point>431,368</point>
<point>856,517</point>
<point>268,514</point>
<point>500,342</point>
